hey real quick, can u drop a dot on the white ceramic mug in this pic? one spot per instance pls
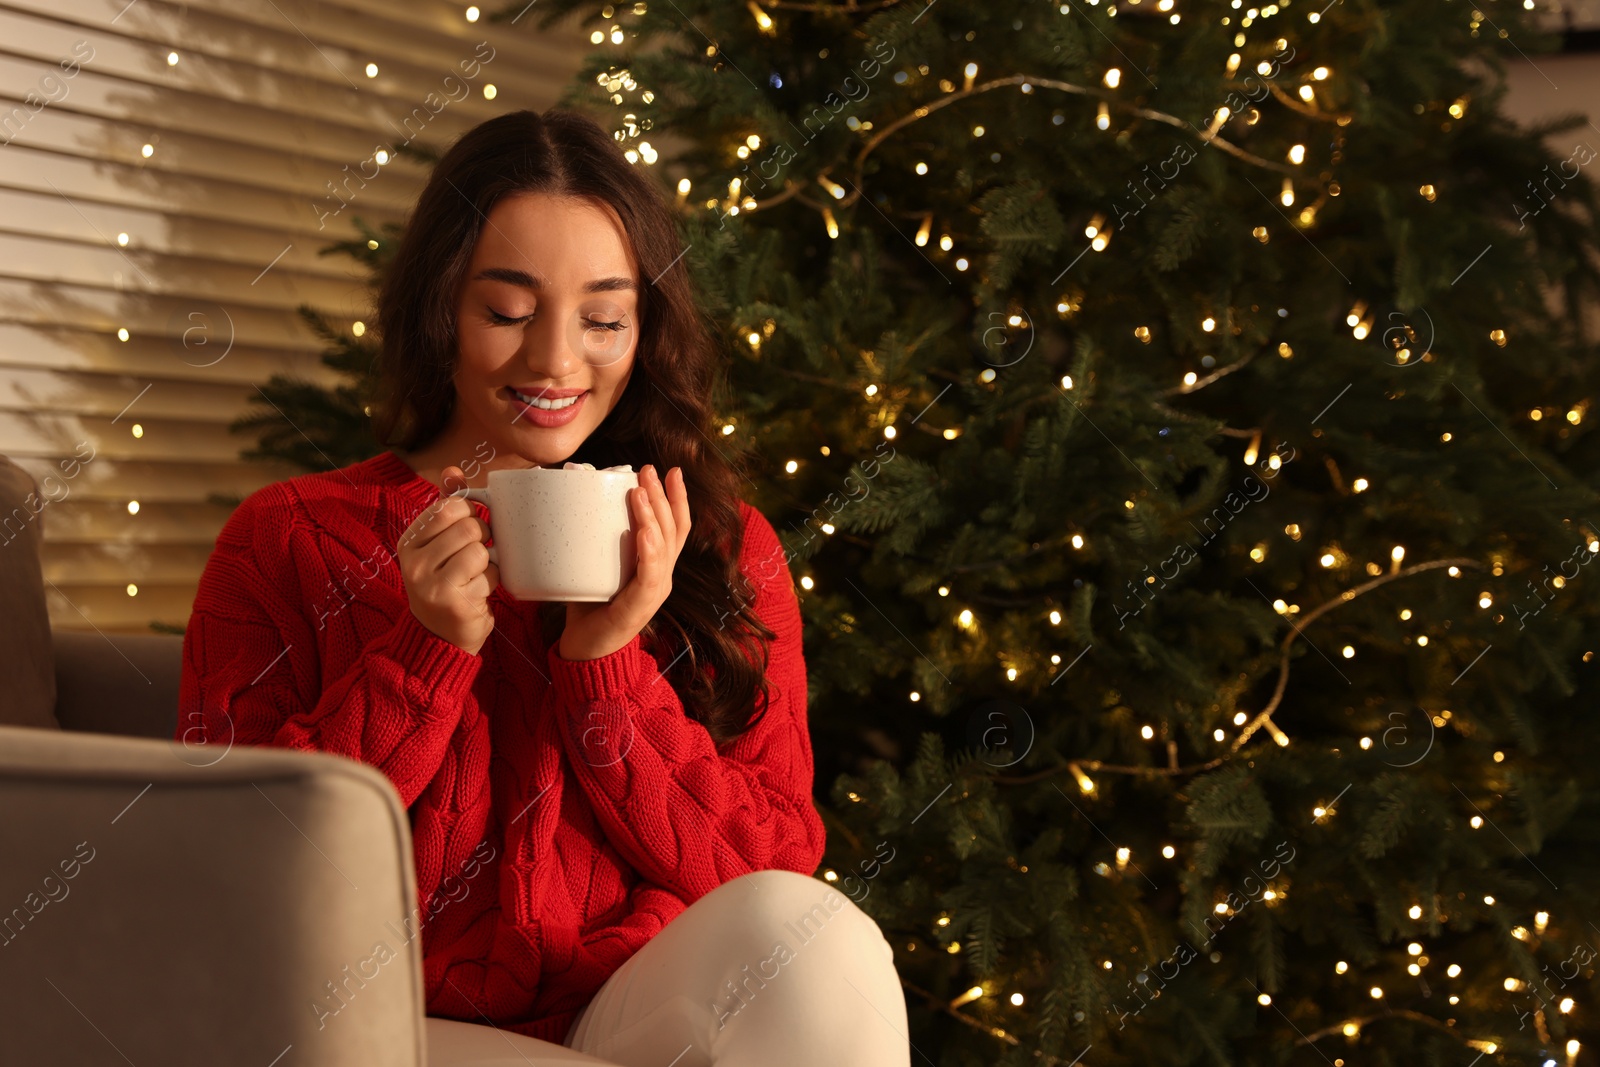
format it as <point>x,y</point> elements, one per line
<point>561,534</point>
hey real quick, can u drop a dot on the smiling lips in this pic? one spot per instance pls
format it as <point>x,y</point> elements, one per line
<point>549,408</point>
<point>548,399</point>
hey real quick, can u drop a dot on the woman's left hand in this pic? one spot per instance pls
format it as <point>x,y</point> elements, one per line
<point>661,522</point>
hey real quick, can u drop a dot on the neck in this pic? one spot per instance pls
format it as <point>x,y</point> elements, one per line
<point>472,453</point>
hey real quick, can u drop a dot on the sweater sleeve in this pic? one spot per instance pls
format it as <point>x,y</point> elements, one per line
<point>685,815</point>
<point>253,663</point>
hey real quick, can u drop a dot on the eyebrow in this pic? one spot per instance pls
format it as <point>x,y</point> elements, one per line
<point>531,281</point>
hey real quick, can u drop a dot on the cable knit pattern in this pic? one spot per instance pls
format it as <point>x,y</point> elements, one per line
<point>562,812</point>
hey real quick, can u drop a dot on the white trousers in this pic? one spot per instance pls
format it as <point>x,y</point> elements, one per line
<point>773,968</point>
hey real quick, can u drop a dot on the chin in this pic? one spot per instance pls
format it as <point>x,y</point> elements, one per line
<point>546,447</point>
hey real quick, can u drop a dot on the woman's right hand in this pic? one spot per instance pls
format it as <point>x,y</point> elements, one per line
<point>445,565</point>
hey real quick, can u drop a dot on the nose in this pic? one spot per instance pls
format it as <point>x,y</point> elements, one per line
<point>547,350</point>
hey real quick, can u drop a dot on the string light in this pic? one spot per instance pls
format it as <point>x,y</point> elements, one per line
<point>763,20</point>
<point>968,997</point>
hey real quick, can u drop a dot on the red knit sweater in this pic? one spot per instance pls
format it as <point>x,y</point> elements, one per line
<point>561,811</point>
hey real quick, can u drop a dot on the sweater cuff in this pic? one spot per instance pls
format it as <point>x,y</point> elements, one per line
<point>429,658</point>
<point>614,676</point>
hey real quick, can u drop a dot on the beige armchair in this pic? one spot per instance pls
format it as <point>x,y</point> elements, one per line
<point>178,904</point>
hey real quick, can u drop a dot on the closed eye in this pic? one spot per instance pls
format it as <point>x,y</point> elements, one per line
<point>599,325</point>
<point>505,320</point>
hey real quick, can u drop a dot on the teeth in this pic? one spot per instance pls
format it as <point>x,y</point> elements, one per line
<point>546,405</point>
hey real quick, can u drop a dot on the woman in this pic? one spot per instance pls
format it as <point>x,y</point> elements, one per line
<point>642,766</point>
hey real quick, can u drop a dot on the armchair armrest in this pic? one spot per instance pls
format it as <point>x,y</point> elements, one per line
<point>196,906</point>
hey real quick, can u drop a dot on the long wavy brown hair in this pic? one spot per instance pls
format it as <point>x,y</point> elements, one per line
<point>664,416</point>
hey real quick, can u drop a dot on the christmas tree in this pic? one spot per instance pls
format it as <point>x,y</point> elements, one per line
<point>1177,417</point>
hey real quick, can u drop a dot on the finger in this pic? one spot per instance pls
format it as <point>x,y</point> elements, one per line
<point>640,594</point>
<point>465,564</point>
<point>434,519</point>
<point>678,491</point>
<point>461,533</point>
<point>660,508</point>
<point>642,590</point>
<point>453,478</point>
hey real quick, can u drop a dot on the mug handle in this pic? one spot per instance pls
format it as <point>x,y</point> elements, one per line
<point>482,497</point>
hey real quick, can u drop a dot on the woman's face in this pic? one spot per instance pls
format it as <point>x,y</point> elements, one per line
<point>548,311</point>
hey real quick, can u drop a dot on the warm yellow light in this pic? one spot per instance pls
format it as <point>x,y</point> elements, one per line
<point>1077,540</point>
<point>1453,970</point>
<point>1351,1029</point>
<point>1488,900</point>
<point>1566,1005</point>
<point>1016,998</point>
<point>1168,851</point>
<point>473,13</point>
<point>1297,154</point>
<point>1340,967</point>
<point>1376,992</point>
<point>1477,822</point>
<point>965,618</point>
<point>1416,911</point>
<point>1146,732</point>
<point>133,507</point>
<point>1263,1000</point>
<point>807,583</point>
<point>1113,78</point>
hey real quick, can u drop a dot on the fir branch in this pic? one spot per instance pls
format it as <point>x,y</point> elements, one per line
<point>1208,379</point>
<point>1414,1016</point>
<point>940,1004</point>
<point>1309,112</point>
<point>846,8</point>
<point>923,111</point>
<point>1264,716</point>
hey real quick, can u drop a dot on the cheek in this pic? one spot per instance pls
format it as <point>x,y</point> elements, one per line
<point>481,350</point>
<point>614,376</point>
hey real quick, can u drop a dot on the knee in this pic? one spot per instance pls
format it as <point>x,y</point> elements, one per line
<point>797,908</point>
